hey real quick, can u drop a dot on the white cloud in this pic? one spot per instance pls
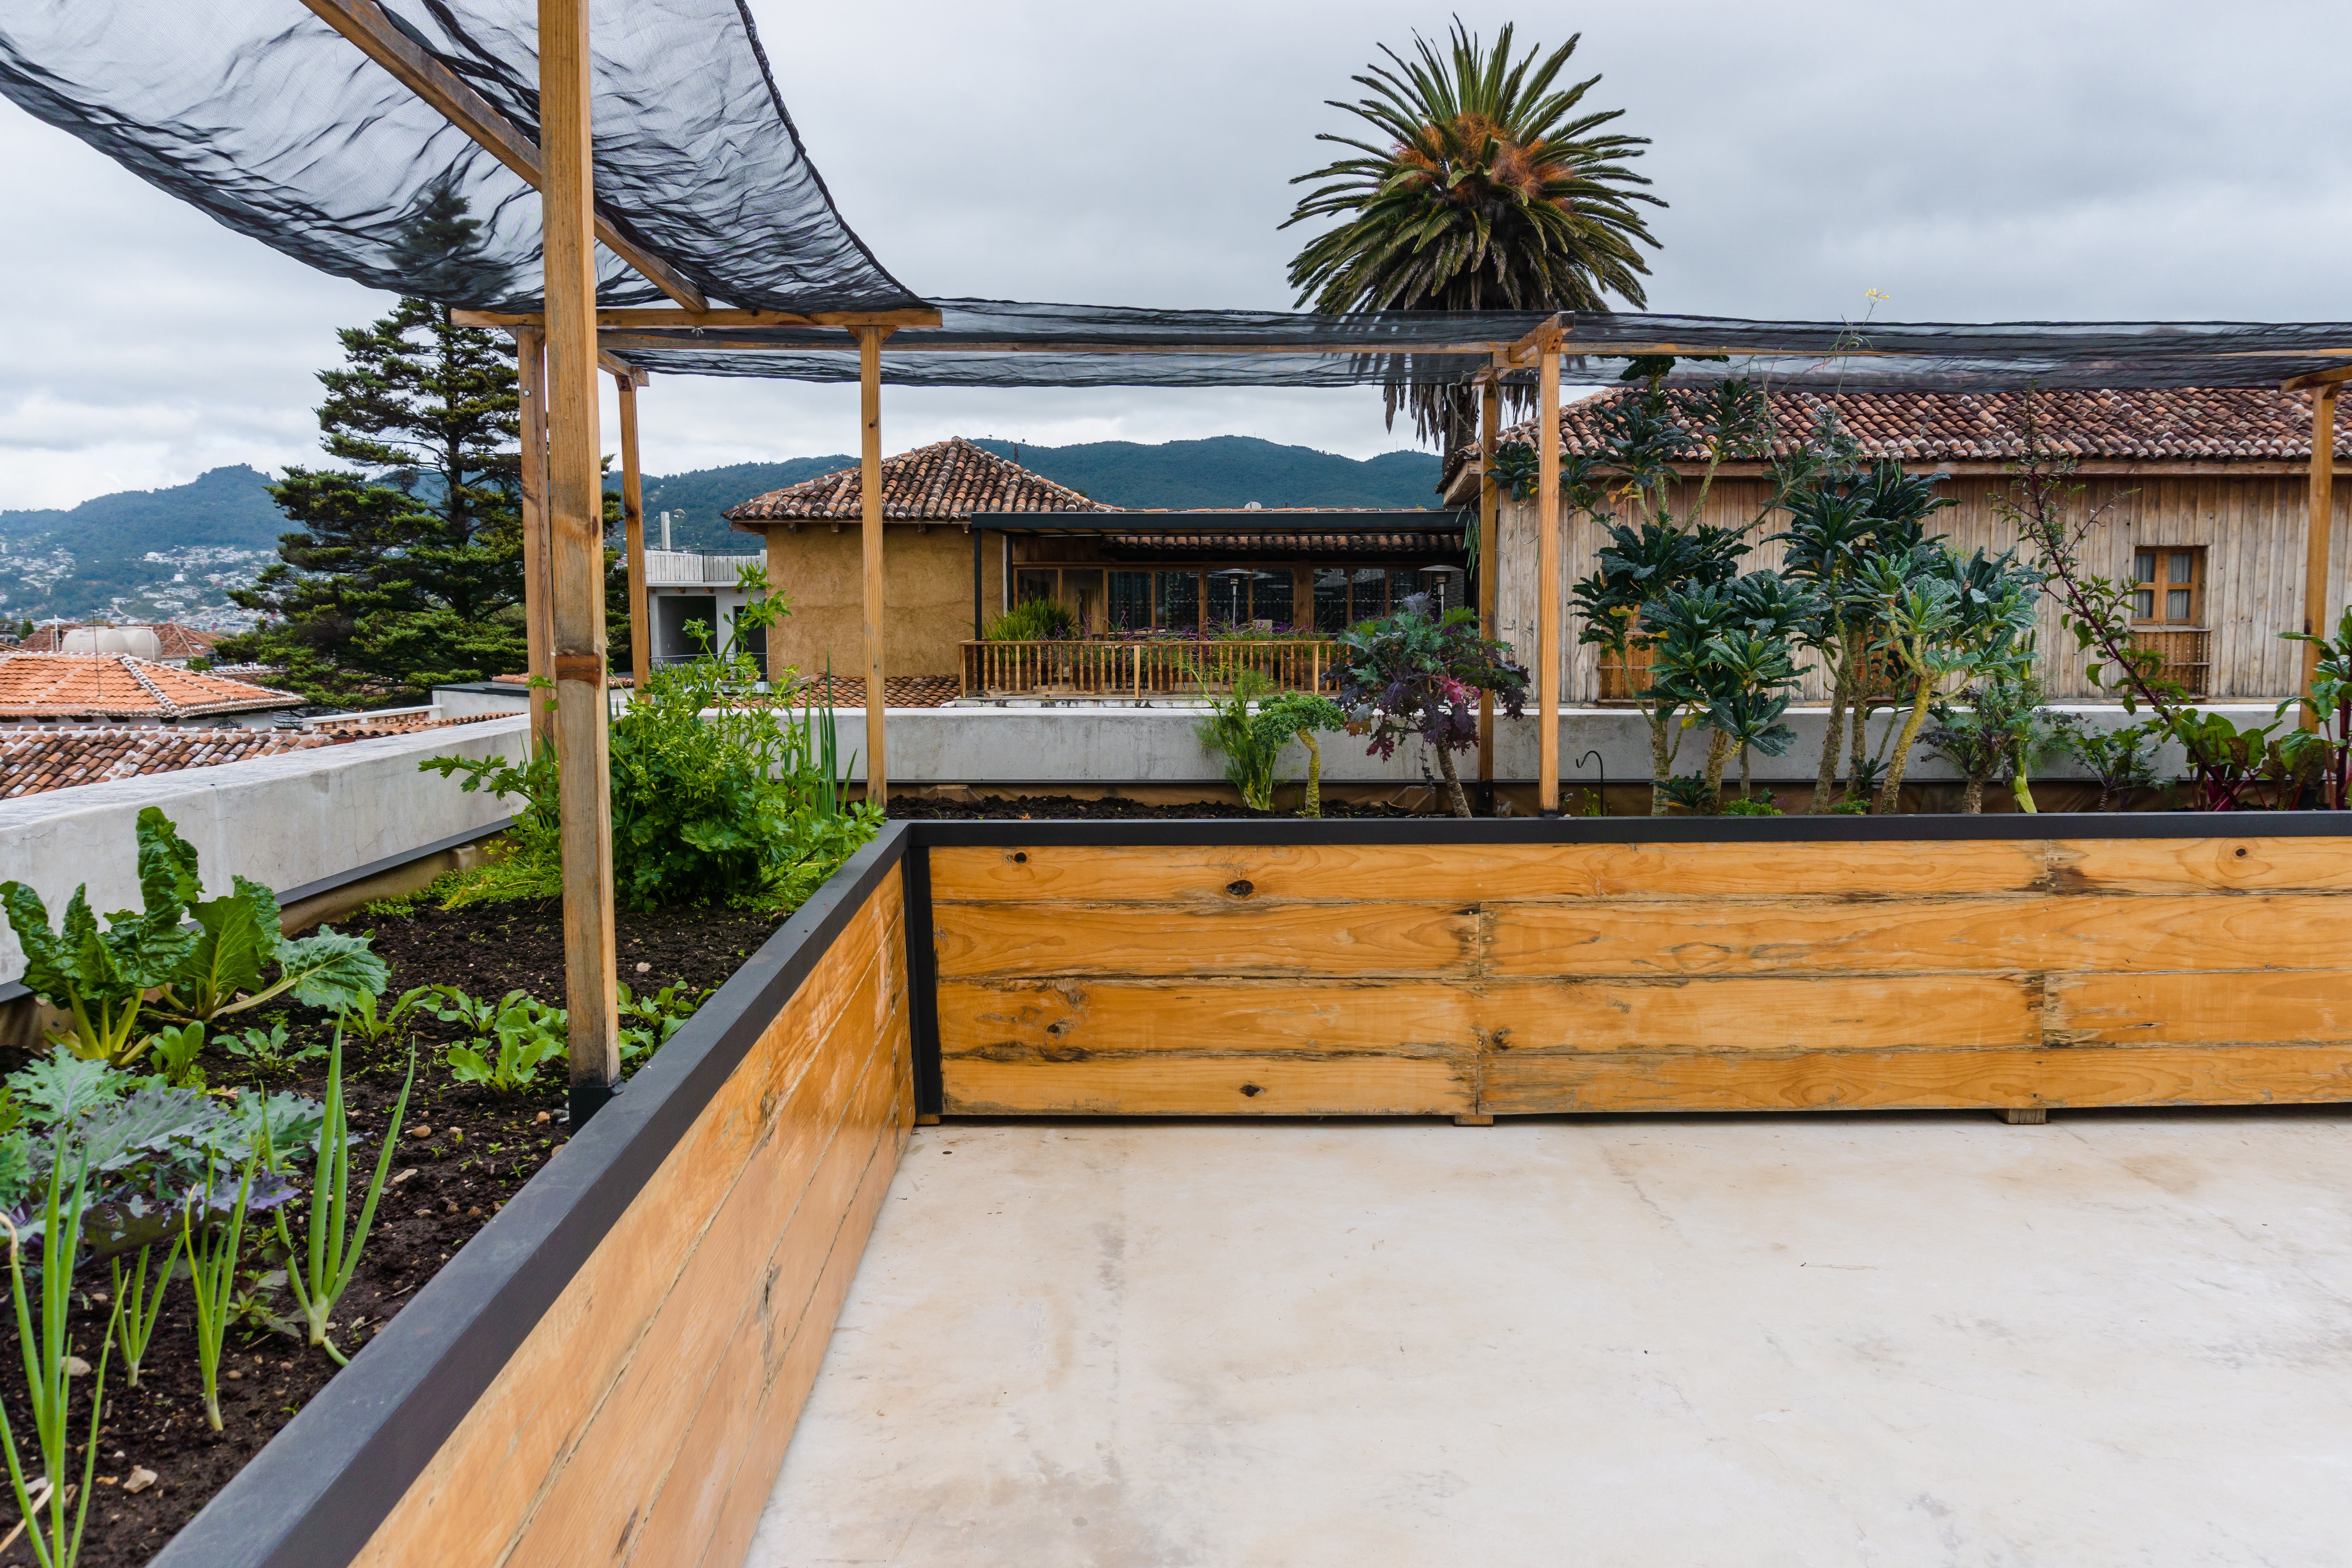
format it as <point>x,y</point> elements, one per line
<point>2011,159</point>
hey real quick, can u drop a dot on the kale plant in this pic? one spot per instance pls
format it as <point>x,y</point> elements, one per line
<point>1414,674</point>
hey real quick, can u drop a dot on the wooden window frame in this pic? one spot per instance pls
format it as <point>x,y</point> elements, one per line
<point>2161,583</point>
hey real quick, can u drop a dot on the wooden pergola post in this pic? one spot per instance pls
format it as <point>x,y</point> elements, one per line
<point>2318,534</point>
<point>538,601</point>
<point>576,514</point>
<point>632,521</point>
<point>1490,512</point>
<point>869,396</point>
<point>1547,571</point>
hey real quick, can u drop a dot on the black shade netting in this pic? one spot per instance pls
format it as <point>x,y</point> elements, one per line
<point>989,342</point>
<point>267,118</point>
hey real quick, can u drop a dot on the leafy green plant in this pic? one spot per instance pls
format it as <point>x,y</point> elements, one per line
<point>1991,731</point>
<point>173,1055</point>
<point>1692,791</point>
<point>1412,673</point>
<point>214,1251</point>
<point>139,1298</point>
<point>514,1041</point>
<point>48,1373</point>
<point>648,1022</point>
<point>102,976</point>
<point>716,798</point>
<point>1034,620</point>
<point>2122,760</point>
<point>1299,715</point>
<point>1723,655</point>
<point>1947,619</point>
<point>268,1049</point>
<point>362,1019</point>
<point>321,1269</point>
<point>1254,725</point>
<point>2325,712</point>
<point>1749,806</point>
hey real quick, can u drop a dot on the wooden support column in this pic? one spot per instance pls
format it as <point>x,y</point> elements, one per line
<point>1548,573</point>
<point>1490,513</point>
<point>576,514</point>
<point>633,520</point>
<point>538,595</point>
<point>870,397</point>
<point>2318,532</point>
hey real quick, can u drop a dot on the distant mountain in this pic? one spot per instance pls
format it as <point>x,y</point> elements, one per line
<point>167,553</point>
<point>1221,470</point>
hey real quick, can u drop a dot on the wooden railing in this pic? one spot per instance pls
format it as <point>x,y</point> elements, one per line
<point>1141,668</point>
<point>2188,657</point>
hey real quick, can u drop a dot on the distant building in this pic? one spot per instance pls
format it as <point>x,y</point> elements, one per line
<point>80,689</point>
<point>164,642</point>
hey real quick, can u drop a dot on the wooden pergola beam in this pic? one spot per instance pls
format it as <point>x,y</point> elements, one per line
<point>1547,605</point>
<point>538,590</point>
<point>627,378</point>
<point>365,23</point>
<point>2318,534</point>
<point>1490,558</point>
<point>575,512</point>
<point>869,482</point>
<point>654,317</point>
<point>2317,378</point>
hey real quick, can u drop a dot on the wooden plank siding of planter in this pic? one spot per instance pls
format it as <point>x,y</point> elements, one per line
<point>643,1419</point>
<point>1483,979</point>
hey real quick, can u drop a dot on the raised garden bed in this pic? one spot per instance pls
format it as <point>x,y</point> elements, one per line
<point>476,1152</point>
<point>612,1367</point>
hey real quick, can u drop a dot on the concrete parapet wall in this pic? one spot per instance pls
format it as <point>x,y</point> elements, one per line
<point>282,821</point>
<point>1161,745</point>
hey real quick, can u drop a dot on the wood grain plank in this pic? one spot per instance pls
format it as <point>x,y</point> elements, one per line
<point>1072,1019</point>
<point>2249,864</point>
<point>791,1361</point>
<point>1841,1012</point>
<point>598,1494</point>
<point>1248,938</point>
<point>2056,933</point>
<point>1370,1085</point>
<point>1201,876</point>
<point>1894,1081</point>
<point>781,1297</point>
<point>2215,1007</point>
<point>478,1492</point>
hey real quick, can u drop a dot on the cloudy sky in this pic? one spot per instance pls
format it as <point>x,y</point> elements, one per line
<point>2005,159</point>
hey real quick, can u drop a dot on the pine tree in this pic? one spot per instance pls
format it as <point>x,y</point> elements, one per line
<point>406,568</point>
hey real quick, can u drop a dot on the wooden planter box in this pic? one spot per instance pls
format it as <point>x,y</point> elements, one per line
<point>610,1370</point>
<point>1679,966</point>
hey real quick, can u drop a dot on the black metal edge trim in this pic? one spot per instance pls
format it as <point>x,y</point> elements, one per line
<point>315,1494</point>
<point>923,986</point>
<point>1442,830</point>
<point>13,989</point>
<point>390,862</point>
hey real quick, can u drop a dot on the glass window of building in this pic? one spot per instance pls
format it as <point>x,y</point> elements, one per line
<point>1179,608</point>
<point>1331,599</point>
<point>1130,601</point>
<point>1270,597</point>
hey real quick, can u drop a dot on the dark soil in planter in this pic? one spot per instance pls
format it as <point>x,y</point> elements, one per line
<point>479,1151</point>
<point>1065,808</point>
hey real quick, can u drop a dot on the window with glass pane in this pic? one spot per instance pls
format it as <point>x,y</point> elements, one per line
<point>2169,579</point>
<point>1033,583</point>
<point>1130,601</point>
<point>1227,600</point>
<point>1403,583</point>
<point>1331,600</point>
<point>1270,597</point>
<point>1369,595</point>
<point>1179,602</point>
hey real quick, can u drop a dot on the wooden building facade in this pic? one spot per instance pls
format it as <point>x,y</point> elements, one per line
<point>2202,493</point>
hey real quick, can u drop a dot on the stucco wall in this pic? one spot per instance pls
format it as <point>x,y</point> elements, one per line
<point>927,589</point>
<point>282,821</point>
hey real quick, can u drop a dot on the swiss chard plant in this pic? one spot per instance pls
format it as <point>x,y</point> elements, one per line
<point>100,975</point>
<point>1413,673</point>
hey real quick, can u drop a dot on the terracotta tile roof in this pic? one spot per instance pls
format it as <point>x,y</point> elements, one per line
<point>522,678</point>
<point>2191,424</point>
<point>945,482</point>
<point>1414,542</point>
<point>360,727</point>
<point>178,641</point>
<point>117,686</point>
<point>898,692</point>
<point>35,760</point>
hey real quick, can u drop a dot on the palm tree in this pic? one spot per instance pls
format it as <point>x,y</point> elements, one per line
<point>1488,190</point>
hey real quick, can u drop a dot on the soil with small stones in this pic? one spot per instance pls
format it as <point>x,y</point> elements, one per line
<point>462,1153</point>
<point>1059,807</point>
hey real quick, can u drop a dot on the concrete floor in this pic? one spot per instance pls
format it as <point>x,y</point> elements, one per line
<point>1823,1340</point>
